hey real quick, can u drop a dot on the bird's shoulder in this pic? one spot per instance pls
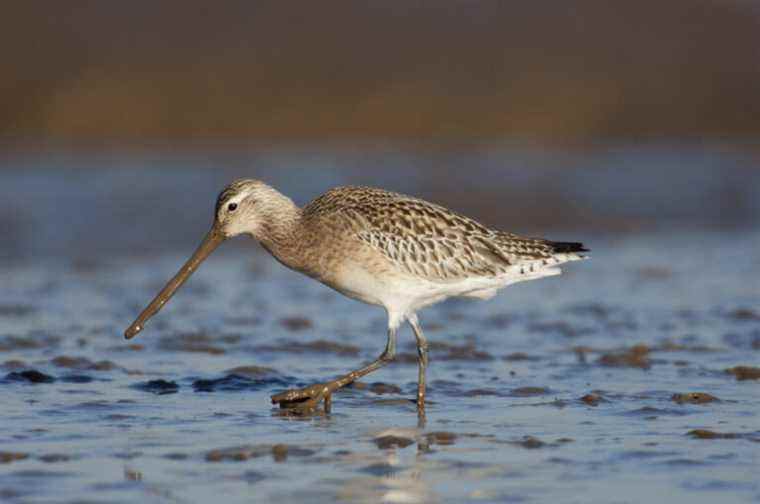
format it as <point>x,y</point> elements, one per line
<point>380,210</point>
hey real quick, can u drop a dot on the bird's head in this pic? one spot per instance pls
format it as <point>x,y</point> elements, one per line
<point>244,207</point>
<point>247,206</point>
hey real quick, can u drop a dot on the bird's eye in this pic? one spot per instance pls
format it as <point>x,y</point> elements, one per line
<point>231,207</point>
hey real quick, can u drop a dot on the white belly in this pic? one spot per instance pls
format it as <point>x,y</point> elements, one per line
<point>403,293</point>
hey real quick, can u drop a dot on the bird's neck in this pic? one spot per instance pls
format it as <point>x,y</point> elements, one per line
<point>279,233</point>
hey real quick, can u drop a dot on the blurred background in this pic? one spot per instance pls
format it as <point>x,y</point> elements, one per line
<point>120,121</point>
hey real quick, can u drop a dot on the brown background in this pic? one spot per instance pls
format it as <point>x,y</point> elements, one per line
<point>547,71</point>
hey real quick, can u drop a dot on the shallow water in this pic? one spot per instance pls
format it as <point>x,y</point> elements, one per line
<point>168,418</point>
<point>606,384</point>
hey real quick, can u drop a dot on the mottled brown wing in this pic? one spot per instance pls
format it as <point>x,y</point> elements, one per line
<point>428,240</point>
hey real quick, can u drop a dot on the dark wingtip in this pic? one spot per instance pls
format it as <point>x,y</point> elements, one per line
<point>568,247</point>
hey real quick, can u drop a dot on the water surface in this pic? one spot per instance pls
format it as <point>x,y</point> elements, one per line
<point>606,384</point>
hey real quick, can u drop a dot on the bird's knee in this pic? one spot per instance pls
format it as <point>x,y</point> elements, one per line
<point>422,353</point>
<point>388,355</point>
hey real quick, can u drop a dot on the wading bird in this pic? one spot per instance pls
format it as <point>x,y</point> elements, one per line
<point>376,246</point>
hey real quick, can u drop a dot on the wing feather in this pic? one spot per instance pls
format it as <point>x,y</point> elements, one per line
<point>433,242</point>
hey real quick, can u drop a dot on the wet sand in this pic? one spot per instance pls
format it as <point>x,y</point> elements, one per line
<point>570,389</point>
<point>634,377</point>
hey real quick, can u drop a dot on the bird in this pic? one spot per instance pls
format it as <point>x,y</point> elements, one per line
<point>379,247</point>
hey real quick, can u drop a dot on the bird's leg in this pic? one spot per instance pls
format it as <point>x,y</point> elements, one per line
<point>422,360</point>
<point>306,400</point>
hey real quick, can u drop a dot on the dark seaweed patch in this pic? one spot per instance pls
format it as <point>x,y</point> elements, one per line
<point>745,372</point>
<point>441,438</point>
<point>530,443</point>
<point>76,378</point>
<point>378,388</point>
<point>391,441</point>
<point>649,412</point>
<point>529,391</point>
<point>158,387</point>
<point>82,363</point>
<point>380,469</point>
<point>635,357</point>
<point>693,398</point>
<point>14,365</point>
<point>10,343</point>
<point>709,434</point>
<point>251,371</point>
<point>52,458</point>
<point>236,383</point>
<point>8,457</point>
<point>16,310</point>
<point>279,452</point>
<point>593,399</point>
<point>296,323</point>
<point>519,356</point>
<point>744,315</point>
<point>29,376</point>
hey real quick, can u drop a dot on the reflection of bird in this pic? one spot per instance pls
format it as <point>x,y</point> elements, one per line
<point>379,247</point>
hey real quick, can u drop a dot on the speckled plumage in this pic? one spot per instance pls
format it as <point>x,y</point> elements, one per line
<point>427,240</point>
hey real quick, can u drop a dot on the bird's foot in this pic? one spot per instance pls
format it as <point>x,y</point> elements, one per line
<point>305,401</point>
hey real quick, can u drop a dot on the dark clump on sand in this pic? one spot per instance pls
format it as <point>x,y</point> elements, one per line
<point>694,398</point>
<point>279,452</point>
<point>529,391</point>
<point>77,378</point>
<point>530,443</point>
<point>391,441</point>
<point>441,438</point>
<point>406,358</point>
<point>11,343</point>
<point>52,458</point>
<point>635,357</point>
<point>672,346</point>
<point>296,323</point>
<point>158,387</point>
<point>13,365</point>
<point>8,457</point>
<point>593,399</point>
<point>708,434</point>
<point>745,372</point>
<point>236,383</point>
<point>176,456</point>
<point>82,363</point>
<point>744,315</point>
<point>251,371</point>
<point>30,376</point>
<point>519,356</point>
<point>16,310</point>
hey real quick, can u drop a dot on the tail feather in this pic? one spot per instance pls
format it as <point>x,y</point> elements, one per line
<point>567,247</point>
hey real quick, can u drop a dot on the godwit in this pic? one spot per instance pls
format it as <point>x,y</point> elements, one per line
<point>376,246</point>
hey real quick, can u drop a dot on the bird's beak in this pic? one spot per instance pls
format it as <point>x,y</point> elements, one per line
<point>210,242</point>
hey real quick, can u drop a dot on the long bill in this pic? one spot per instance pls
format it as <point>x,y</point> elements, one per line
<point>208,245</point>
